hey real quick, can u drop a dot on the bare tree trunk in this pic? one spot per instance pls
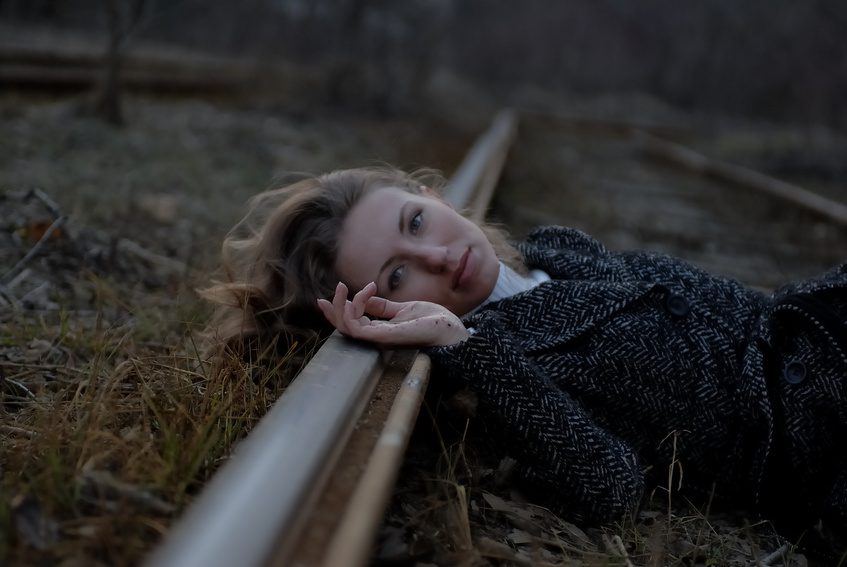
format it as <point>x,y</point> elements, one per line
<point>108,103</point>
<point>121,24</point>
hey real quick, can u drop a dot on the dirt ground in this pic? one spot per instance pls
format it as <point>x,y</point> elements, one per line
<point>109,425</point>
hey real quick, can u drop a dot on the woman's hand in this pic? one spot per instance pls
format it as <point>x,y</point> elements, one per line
<point>410,323</point>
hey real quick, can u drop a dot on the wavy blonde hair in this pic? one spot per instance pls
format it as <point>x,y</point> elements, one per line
<point>281,257</point>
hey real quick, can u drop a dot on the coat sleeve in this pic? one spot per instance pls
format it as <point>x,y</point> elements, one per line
<point>584,471</point>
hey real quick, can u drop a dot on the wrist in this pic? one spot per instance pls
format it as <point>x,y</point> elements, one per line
<point>457,335</point>
<point>462,334</point>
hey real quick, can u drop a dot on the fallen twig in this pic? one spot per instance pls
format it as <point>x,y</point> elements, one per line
<point>16,281</point>
<point>18,430</point>
<point>109,486</point>
<point>487,547</point>
<point>33,293</point>
<point>46,201</point>
<point>6,296</point>
<point>168,264</point>
<point>686,158</point>
<point>776,555</point>
<point>615,546</point>
<point>34,250</point>
<point>17,384</point>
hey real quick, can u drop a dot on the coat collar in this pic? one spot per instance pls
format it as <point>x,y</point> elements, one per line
<point>563,252</point>
<point>558,311</point>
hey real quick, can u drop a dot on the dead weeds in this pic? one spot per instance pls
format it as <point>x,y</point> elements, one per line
<point>111,420</point>
<point>456,505</point>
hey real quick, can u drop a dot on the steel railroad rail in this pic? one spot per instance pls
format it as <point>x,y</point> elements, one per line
<point>282,499</point>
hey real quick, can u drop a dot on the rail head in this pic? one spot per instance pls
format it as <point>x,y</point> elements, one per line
<point>259,493</point>
<point>237,505</point>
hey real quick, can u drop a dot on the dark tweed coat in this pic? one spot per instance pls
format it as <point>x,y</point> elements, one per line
<point>629,361</point>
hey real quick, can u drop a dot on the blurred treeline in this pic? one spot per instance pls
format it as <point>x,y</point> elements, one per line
<point>779,59</point>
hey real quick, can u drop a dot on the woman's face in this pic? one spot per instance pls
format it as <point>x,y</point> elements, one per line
<point>416,247</point>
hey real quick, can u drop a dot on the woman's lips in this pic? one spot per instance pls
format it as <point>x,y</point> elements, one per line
<point>465,269</point>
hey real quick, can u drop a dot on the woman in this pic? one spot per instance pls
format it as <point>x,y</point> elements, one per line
<point>601,369</point>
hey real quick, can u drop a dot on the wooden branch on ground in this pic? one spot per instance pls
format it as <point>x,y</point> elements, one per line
<point>14,430</point>
<point>612,125</point>
<point>10,277</point>
<point>56,224</point>
<point>168,265</point>
<point>105,484</point>
<point>737,175</point>
<point>17,280</point>
<point>47,201</point>
<point>6,296</point>
<point>19,272</point>
<point>73,67</point>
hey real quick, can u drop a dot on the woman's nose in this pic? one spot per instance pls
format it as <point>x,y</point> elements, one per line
<point>434,258</point>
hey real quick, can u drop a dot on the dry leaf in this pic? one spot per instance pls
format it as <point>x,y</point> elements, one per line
<point>35,231</point>
<point>162,207</point>
<point>501,505</point>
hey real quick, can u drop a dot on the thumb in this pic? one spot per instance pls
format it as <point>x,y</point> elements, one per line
<point>383,308</point>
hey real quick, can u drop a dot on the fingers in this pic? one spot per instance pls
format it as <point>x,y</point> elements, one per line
<point>334,311</point>
<point>339,300</point>
<point>351,321</point>
<point>326,308</point>
<point>383,308</point>
<point>404,323</point>
<point>360,300</point>
<point>347,316</point>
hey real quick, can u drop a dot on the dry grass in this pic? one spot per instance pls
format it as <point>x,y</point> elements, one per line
<point>456,505</point>
<point>109,431</point>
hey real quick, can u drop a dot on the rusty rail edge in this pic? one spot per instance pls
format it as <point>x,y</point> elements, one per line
<point>690,160</point>
<point>266,482</point>
<point>260,493</point>
<point>356,532</point>
<point>473,181</point>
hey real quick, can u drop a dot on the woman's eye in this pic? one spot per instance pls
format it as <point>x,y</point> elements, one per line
<point>394,278</point>
<point>416,222</point>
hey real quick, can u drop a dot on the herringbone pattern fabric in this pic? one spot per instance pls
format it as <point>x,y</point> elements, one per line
<point>625,362</point>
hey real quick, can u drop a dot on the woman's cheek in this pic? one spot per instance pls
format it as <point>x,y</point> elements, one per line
<point>426,289</point>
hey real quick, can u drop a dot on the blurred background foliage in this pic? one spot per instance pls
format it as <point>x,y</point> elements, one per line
<point>775,59</point>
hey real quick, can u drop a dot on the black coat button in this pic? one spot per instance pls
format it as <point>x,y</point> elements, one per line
<point>677,305</point>
<point>794,372</point>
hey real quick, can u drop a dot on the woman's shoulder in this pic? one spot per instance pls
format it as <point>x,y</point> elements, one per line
<point>569,253</point>
<point>566,252</point>
<point>555,249</point>
<point>555,237</point>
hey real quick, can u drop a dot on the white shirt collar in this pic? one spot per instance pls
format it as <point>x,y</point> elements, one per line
<point>509,282</point>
